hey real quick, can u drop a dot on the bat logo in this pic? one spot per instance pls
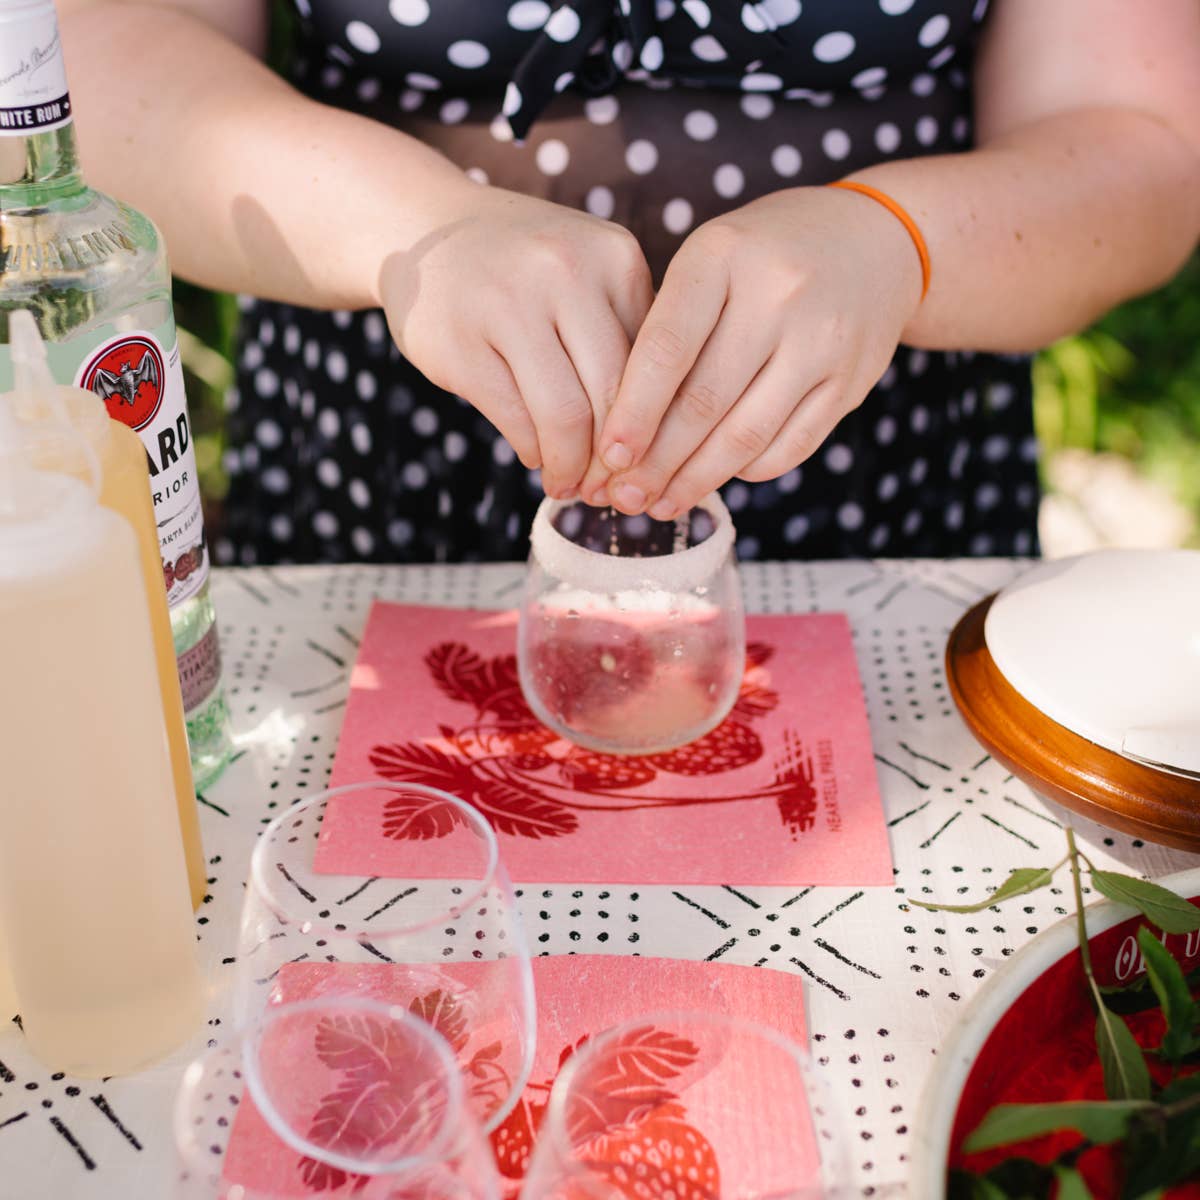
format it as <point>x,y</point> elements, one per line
<point>128,375</point>
<point>127,381</point>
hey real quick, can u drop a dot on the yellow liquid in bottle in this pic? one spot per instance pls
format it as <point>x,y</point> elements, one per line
<point>125,489</point>
<point>92,893</point>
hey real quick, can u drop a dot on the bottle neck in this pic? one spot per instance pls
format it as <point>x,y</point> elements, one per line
<point>38,158</point>
<point>38,168</point>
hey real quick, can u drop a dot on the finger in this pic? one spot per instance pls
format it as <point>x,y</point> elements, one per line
<point>747,433</point>
<point>631,297</point>
<point>599,348</point>
<point>670,340</point>
<point>810,424</point>
<point>732,357</point>
<point>492,390</point>
<point>557,404</point>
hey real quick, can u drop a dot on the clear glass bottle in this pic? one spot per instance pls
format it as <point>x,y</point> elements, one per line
<point>94,273</point>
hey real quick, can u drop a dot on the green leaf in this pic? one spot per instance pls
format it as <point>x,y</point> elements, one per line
<point>1181,1088</point>
<point>1156,1157</point>
<point>1100,1121</point>
<point>1171,913</point>
<point>1166,978</point>
<point>1071,1185</point>
<point>1022,880</point>
<point>1021,1179</point>
<point>1126,1076</point>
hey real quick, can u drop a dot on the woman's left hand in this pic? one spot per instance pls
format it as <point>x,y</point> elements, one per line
<point>773,322</point>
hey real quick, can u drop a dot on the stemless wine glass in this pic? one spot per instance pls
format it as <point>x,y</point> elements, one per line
<point>432,926</point>
<point>704,1106</point>
<point>334,1096</point>
<point>631,637</point>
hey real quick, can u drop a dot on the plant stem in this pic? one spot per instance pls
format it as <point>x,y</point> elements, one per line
<point>1085,953</point>
<point>1179,1107</point>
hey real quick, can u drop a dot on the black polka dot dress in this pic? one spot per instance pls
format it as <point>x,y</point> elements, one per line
<point>659,115</point>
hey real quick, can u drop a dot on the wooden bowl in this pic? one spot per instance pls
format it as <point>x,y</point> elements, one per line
<point>1104,786</point>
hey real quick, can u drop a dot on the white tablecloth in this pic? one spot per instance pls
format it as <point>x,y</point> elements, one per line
<point>884,983</point>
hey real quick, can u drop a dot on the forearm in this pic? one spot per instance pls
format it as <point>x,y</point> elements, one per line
<point>1040,231</point>
<point>255,188</point>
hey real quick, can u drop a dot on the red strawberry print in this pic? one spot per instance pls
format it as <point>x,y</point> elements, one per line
<point>662,1155</point>
<point>512,1141</point>
<point>169,575</point>
<point>729,746</point>
<point>587,771</point>
<point>183,565</point>
<point>591,669</point>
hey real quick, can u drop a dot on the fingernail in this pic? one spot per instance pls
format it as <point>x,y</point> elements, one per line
<point>628,496</point>
<point>662,510</point>
<point>569,494</point>
<point>599,498</point>
<point>617,457</point>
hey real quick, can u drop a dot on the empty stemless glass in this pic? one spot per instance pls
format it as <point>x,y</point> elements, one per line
<point>632,636</point>
<point>699,1105</point>
<point>343,1097</point>
<point>450,949</point>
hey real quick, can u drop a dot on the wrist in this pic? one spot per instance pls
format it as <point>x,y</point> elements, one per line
<point>904,239</point>
<point>402,193</point>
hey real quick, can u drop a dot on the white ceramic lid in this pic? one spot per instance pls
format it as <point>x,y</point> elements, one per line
<point>1107,644</point>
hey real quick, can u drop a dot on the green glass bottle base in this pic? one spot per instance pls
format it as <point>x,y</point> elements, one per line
<point>210,741</point>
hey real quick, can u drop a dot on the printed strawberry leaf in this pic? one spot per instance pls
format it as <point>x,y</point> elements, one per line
<point>511,810</point>
<point>626,1082</point>
<point>1169,912</point>
<point>487,1053</point>
<point>412,816</point>
<point>362,1045</point>
<point>488,685</point>
<point>758,654</point>
<point>441,1010</point>
<point>519,812</point>
<point>361,1117</point>
<point>456,670</point>
<point>754,701</point>
<point>321,1177</point>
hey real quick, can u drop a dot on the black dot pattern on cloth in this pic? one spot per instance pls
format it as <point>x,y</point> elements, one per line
<point>672,114</point>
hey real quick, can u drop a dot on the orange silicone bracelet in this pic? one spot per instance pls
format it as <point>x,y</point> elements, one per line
<point>913,232</point>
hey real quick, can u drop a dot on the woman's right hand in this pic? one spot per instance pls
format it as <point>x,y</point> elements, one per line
<point>526,310</point>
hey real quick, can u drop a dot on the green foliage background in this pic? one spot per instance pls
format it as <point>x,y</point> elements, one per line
<point>1129,385</point>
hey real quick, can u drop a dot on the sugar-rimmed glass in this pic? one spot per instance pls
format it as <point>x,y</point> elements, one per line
<point>631,637</point>
<point>436,930</point>
<point>707,1106</point>
<point>348,1096</point>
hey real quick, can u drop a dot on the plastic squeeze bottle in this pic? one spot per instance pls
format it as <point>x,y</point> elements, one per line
<point>55,420</point>
<point>93,888</point>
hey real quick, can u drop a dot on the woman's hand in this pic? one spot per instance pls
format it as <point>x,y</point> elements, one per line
<point>772,323</point>
<point>527,310</point>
